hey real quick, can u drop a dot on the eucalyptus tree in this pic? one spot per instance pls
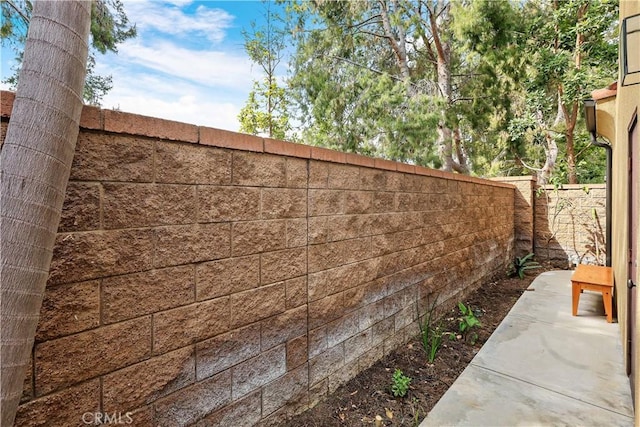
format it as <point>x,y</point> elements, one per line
<point>571,49</point>
<point>398,78</point>
<point>110,26</point>
<point>35,163</point>
<point>374,77</point>
<point>490,87</point>
<point>267,110</point>
<point>490,70</point>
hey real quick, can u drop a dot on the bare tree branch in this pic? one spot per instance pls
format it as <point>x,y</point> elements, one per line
<point>11,4</point>
<point>366,21</point>
<point>527,166</point>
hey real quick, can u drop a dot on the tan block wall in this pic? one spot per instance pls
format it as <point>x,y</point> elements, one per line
<point>524,216</point>
<point>564,226</point>
<point>202,277</point>
<point>570,224</point>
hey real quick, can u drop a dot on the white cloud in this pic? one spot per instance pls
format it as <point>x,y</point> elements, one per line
<point>187,109</point>
<point>170,19</point>
<point>181,101</point>
<point>161,74</point>
<point>179,2</point>
<point>203,66</point>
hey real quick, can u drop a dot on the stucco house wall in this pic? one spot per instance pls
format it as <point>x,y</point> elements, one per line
<point>615,111</point>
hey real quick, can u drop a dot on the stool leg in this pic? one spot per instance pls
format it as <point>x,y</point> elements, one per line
<point>575,291</point>
<point>608,308</point>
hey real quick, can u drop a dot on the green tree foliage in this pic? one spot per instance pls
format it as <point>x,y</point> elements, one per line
<point>401,79</point>
<point>583,57</point>
<point>566,50</point>
<point>266,111</point>
<point>267,108</point>
<point>488,35</point>
<point>489,87</point>
<point>109,27</point>
<point>360,83</point>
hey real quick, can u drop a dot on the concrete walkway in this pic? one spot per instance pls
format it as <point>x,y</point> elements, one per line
<point>544,367</point>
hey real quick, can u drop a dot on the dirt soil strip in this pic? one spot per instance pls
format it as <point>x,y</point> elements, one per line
<point>368,395</point>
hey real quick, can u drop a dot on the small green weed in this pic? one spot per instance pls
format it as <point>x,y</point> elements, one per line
<point>467,321</point>
<point>415,408</point>
<point>400,384</point>
<point>522,264</point>
<point>431,336</point>
<point>435,340</point>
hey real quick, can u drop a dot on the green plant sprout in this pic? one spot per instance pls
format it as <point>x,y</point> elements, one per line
<point>430,335</point>
<point>400,384</point>
<point>522,264</point>
<point>467,321</point>
<point>435,340</point>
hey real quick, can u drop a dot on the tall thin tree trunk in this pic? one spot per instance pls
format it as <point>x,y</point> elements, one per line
<point>35,163</point>
<point>438,17</point>
<point>462,165</point>
<point>398,45</point>
<point>551,155</point>
<point>448,139</point>
<point>572,116</point>
<point>571,156</point>
<point>439,21</point>
<point>550,151</point>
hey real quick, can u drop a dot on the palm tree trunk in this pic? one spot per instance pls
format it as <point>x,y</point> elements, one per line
<point>35,163</point>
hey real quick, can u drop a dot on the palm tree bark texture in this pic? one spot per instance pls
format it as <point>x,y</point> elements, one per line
<point>35,163</point>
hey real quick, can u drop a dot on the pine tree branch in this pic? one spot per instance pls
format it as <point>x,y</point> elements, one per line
<point>453,101</point>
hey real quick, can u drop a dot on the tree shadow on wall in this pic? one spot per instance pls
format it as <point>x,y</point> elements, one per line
<point>595,247</point>
<point>566,232</point>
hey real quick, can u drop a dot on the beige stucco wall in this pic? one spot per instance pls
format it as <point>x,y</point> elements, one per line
<point>627,104</point>
<point>605,118</point>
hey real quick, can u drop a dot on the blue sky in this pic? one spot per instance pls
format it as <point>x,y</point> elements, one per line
<point>187,63</point>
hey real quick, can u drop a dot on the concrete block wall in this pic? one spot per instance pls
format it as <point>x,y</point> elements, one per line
<point>570,224</point>
<point>524,217</point>
<point>564,226</point>
<point>204,277</point>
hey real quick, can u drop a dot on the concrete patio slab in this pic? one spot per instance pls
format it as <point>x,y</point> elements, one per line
<point>487,398</point>
<point>543,367</point>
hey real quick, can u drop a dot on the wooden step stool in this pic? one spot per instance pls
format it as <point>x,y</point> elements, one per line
<point>593,278</point>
